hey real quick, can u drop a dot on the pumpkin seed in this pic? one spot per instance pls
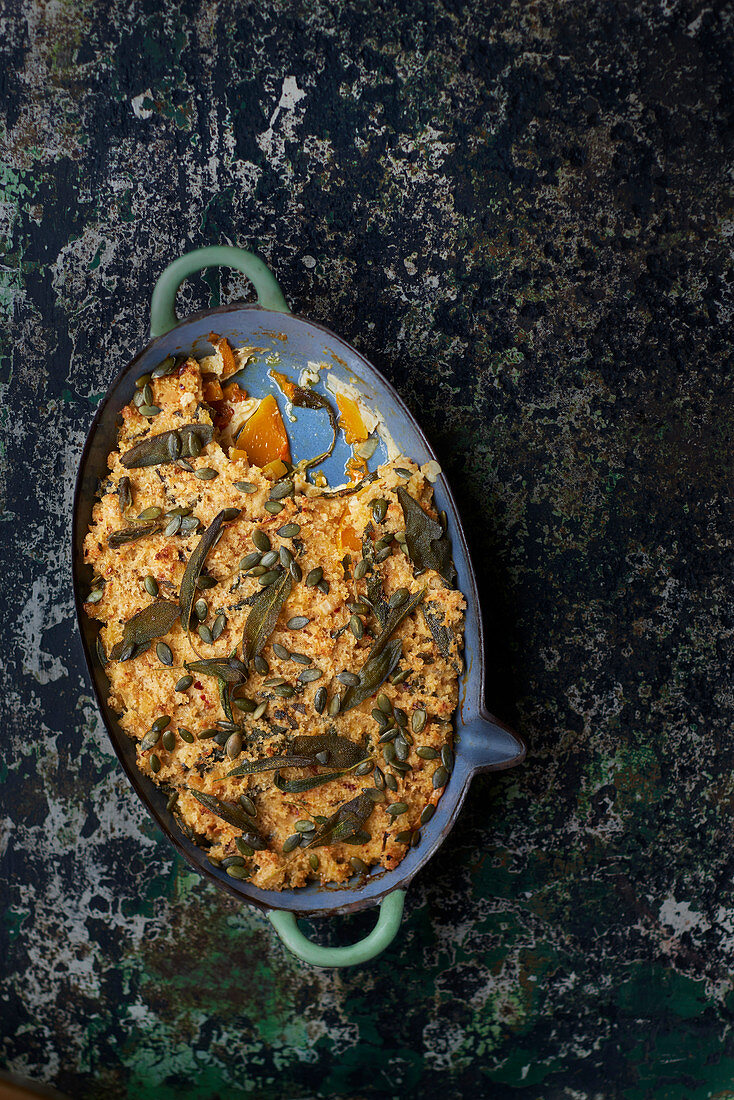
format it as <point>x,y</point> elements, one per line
<point>248,706</point>
<point>233,747</point>
<point>309,675</point>
<point>245,486</point>
<point>138,399</point>
<point>172,800</point>
<point>173,526</point>
<point>383,554</point>
<point>207,735</point>
<point>261,540</point>
<point>259,710</point>
<point>389,754</point>
<point>273,506</point>
<point>95,595</point>
<point>378,778</point>
<point>280,651</point>
<point>360,569</point>
<point>289,530</point>
<point>365,768</point>
<point>140,382</point>
<point>322,757</point>
<point>232,861</point>
<point>304,826</point>
<point>402,748</point>
<point>243,847</point>
<point>313,860</point>
<point>418,721</point>
<point>379,509</point>
<point>400,716</point>
<point>301,658</point>
<point>149,411</point>
<point>201,609</point>
<point>350,679</point>
<point>415,839</point>
<point>150,513</point>
<point>400,676</point>
<point>151,585</point>
<point>284,690</point>
<point>384,703</point>
<point>248,805</point>
<point>173,444</point>
<point>447,758</point>
<point>319,700</point>
<point>150,740</point>
<point>161,722</point>
<point>183,463</point>
<point>249,560</point>
<point>388,735</point>
<point>269,559</point>
<point>397,809</point>
<point>206,473</point>
<point>285,557</point>
<point>165,656</point>
<point>184,683</point>
<point>323,586</point>
<point>295,570</point>
<point>228,514</point>
<point>381,718</point>
<point>101,655</point>
<point>427,814</point>
<point>401,766</point>
<point>168,740</point>
<point>398,598</point>
<point>186,735</point>
<point>404,836</point>
<point>261,665</point>
<point>391,783</point>
<point>258,571</point>
<point>314,576</point>
<point>155,764</point>
<point>290,843</point>
<point>273,681</point>
<point>356,626</point>
<point>359,865</point>
<point>402,472</point>
<point>269,577</point>
<point>189,524</point>
<point>384,542</point>
<point>147,394</point>
<point>205,634</point>
<point>426,752</point>
<point>240,873</point>
<point>218,625</point>
<point>164,367</point>
<point>281,489</point>
<point>298,622</point>
<point>440,777</point>
<point>127,651</point>
<point>335,704</point>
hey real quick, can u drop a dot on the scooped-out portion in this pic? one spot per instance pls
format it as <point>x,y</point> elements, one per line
<point>286,655</point>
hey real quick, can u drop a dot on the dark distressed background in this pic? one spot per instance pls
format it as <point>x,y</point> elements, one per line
<point>521,213</point>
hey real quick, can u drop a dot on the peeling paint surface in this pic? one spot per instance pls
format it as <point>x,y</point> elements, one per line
<point>522,214</point>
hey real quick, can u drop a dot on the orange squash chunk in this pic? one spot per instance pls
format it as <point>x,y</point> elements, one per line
<point>347,539</point>
<point>221,343</point>
<point>350,419</point>
<point>285,384</point>
<point>263,435</point>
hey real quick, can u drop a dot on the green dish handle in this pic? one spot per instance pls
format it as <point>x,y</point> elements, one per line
<point>381,936</point>
<point>162,312</point>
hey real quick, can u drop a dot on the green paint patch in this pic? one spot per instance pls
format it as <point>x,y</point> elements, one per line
<point>651,990</point>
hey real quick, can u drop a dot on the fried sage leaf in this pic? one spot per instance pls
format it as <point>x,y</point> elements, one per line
<point>263,615</point>
<point>228,669</point>
<point>383,658</point>
<point>374,673</point>
<point>155,450</point>
<point>153,621</point>
<point>442,636</point>
<point>303,398</point>
<point>297,786</point>
<point>232,814</point>
<point>349,490</point>
<point>375,592</point>
<point>428,545</point>
<point>348,820</point>
<point>195,566</point>
<point>271,764</point>
<point>133,532</point>
<point>342,753</point>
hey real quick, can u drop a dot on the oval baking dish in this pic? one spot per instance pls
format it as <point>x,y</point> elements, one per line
<point>481,742</point>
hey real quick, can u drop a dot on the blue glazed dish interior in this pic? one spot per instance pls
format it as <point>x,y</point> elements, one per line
<point>289,344</point>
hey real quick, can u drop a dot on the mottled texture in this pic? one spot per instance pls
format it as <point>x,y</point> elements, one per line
<point>521,213</point>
